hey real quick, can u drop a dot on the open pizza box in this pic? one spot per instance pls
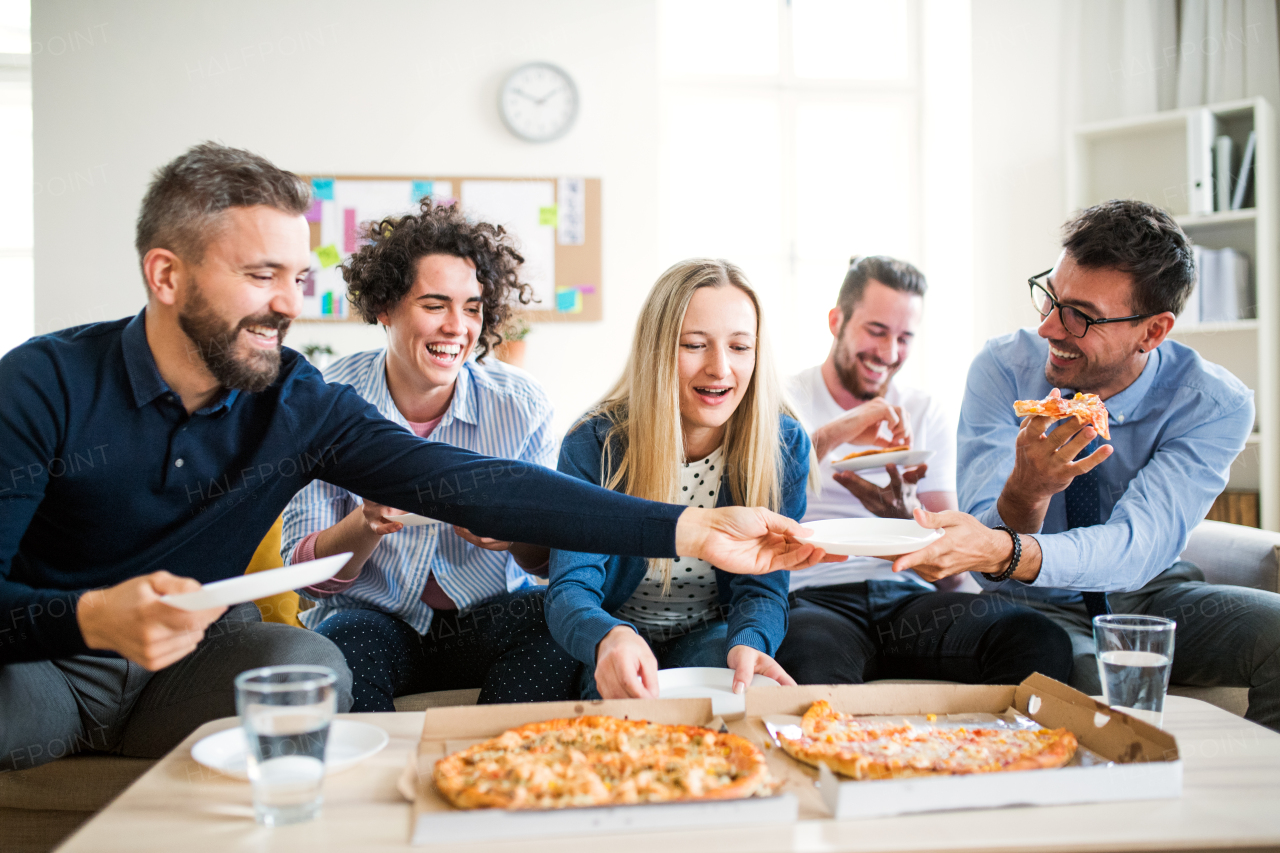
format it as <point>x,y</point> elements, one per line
<point>1120,757</point>
<point>447,730</point>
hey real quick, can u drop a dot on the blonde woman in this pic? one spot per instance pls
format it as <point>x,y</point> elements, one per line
<point>696,419</point>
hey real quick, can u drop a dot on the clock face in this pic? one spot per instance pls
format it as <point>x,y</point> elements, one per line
<point>539,102</point>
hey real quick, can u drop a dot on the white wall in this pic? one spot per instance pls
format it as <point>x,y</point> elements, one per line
<point>396,87</point>
<point>1019,134</point>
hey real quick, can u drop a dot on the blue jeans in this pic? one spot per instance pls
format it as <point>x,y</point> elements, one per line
<point>703,647</point>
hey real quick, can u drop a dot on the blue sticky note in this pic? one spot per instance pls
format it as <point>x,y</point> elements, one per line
<point>323,188</point>
<point>568,300</point>
<point>422,189</point>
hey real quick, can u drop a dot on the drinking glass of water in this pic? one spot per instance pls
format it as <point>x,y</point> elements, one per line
<point>1135,654</point>
<point>286,711</point>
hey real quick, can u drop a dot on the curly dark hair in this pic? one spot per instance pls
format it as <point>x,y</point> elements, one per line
<point>380,274</point>
<point>1139,239</point>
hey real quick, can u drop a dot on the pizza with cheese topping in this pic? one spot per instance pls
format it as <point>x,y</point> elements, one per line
<point>601,761</point>
<point>863,749</point>
<point>1085,408</point>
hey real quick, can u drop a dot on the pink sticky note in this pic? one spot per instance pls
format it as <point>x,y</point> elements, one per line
<point>313,215</point>
<point>586,288</point>
<point>348,229</point>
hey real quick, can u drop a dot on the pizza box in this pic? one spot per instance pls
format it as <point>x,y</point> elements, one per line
<point>1123,758</point>
<point>449,729</point>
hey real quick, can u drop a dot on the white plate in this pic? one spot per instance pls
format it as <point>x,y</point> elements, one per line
<point>901,458</point>
<point>349,743</point>
<point>870,537</point>
<point>711,682</point>
<point>244,588</point>
<point>410,519</point>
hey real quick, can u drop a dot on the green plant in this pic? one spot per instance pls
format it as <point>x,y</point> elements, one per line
<point>313,350</point>
<point>517,329</point>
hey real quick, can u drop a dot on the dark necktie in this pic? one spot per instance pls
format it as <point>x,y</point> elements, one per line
<point>1084,509</point>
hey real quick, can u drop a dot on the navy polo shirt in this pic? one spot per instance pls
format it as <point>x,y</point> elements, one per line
<point>104,477</point>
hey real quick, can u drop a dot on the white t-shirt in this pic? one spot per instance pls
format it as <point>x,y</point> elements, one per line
<point>932,429</point>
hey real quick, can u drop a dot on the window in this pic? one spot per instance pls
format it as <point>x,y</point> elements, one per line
<point>796,134</point>
<point>16,273</point>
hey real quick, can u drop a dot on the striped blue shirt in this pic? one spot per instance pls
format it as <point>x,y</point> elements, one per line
<point>496,410</point>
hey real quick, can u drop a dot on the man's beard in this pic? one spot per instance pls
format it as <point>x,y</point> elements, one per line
<point>214,341</point>
<point>1083,377</point>
<point>847,373</point>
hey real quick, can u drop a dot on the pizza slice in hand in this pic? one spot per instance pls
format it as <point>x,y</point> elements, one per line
<point>1085,408</point>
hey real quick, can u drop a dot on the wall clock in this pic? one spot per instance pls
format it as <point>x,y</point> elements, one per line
<point>538,102</point>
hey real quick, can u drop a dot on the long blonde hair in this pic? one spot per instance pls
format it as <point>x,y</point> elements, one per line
<point>644,404</point>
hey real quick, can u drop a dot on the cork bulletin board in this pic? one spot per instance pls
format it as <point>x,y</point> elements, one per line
<point>555,223</point>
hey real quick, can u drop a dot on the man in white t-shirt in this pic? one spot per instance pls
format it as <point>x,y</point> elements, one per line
<point>856,621</point>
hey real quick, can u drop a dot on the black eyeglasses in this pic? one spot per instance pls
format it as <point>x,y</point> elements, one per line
<point>1073,320</point>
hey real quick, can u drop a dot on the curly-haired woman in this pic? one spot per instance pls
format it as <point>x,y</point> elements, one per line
<point>697,418</point>
<point>429,607</point>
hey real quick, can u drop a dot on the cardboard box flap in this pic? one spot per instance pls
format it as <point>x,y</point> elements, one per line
<point>1106,731</point>
<point>876,699</point>
<point>486,721</point>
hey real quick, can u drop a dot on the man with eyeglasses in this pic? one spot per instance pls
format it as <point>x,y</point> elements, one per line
<point>1072,527</point>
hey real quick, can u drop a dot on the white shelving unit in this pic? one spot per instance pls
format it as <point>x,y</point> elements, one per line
<point>1147,158</point>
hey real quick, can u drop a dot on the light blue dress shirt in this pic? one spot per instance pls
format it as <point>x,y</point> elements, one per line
<point>496,410</point>
<point>1175,430</point>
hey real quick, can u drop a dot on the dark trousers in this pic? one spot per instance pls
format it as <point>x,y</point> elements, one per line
<point>501,645</point>
<point>1227,636</point>
<point>836,636</point>
<point>49,709</point>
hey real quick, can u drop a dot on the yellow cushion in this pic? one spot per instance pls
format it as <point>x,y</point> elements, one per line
<point>282,608</point>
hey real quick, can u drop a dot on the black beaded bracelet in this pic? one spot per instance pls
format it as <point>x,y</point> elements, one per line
<point>1013,564</point>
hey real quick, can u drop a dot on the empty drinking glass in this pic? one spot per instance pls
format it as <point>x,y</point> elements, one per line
<point>1135,655</point>
<point>286,711</point>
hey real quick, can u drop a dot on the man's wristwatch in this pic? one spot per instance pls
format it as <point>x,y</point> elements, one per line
<point>1013,563</point>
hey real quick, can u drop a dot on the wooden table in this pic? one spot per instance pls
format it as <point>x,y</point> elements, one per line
<point>1231,800</point>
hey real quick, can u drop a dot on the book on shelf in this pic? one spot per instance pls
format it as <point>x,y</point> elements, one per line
<point>1222,173</point>
<point>1224,289</point>
<point>1202,129</point>
<point>1246,171</point>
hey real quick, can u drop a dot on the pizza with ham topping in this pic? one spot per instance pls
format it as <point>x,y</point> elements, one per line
<point>1085,408</point>
<point>865,749</point>
<point>601,761</point>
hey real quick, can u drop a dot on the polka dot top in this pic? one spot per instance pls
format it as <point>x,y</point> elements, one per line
<point>693,597</point>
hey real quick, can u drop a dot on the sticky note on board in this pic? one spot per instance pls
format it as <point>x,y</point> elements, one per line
<point>568,300</point>
<point>547,216</point>
<point>323,188</point>
<point>316,210</point>
<point>349,230</point>
<point>585,288</point>
<point>309,285</point>
<point>328,255</point>
<point>421,190</point>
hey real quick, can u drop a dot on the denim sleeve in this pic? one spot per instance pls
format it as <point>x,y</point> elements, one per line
<point>758,612</point>
<point>575,597</point>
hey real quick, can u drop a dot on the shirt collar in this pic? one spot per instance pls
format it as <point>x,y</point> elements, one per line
<point>144,376</point>
<point>462,406</point>
<point>139,363</point>
<point>1122,406</point>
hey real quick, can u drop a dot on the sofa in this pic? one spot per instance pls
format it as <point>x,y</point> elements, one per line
<point>41,806</point>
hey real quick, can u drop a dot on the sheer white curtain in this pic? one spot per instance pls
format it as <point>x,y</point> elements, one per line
<point>1139,56</point>
<point>17,302</point>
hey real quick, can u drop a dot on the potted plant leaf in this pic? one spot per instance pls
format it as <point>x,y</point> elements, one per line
<point>511,350</point>
<point>318,354</point>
